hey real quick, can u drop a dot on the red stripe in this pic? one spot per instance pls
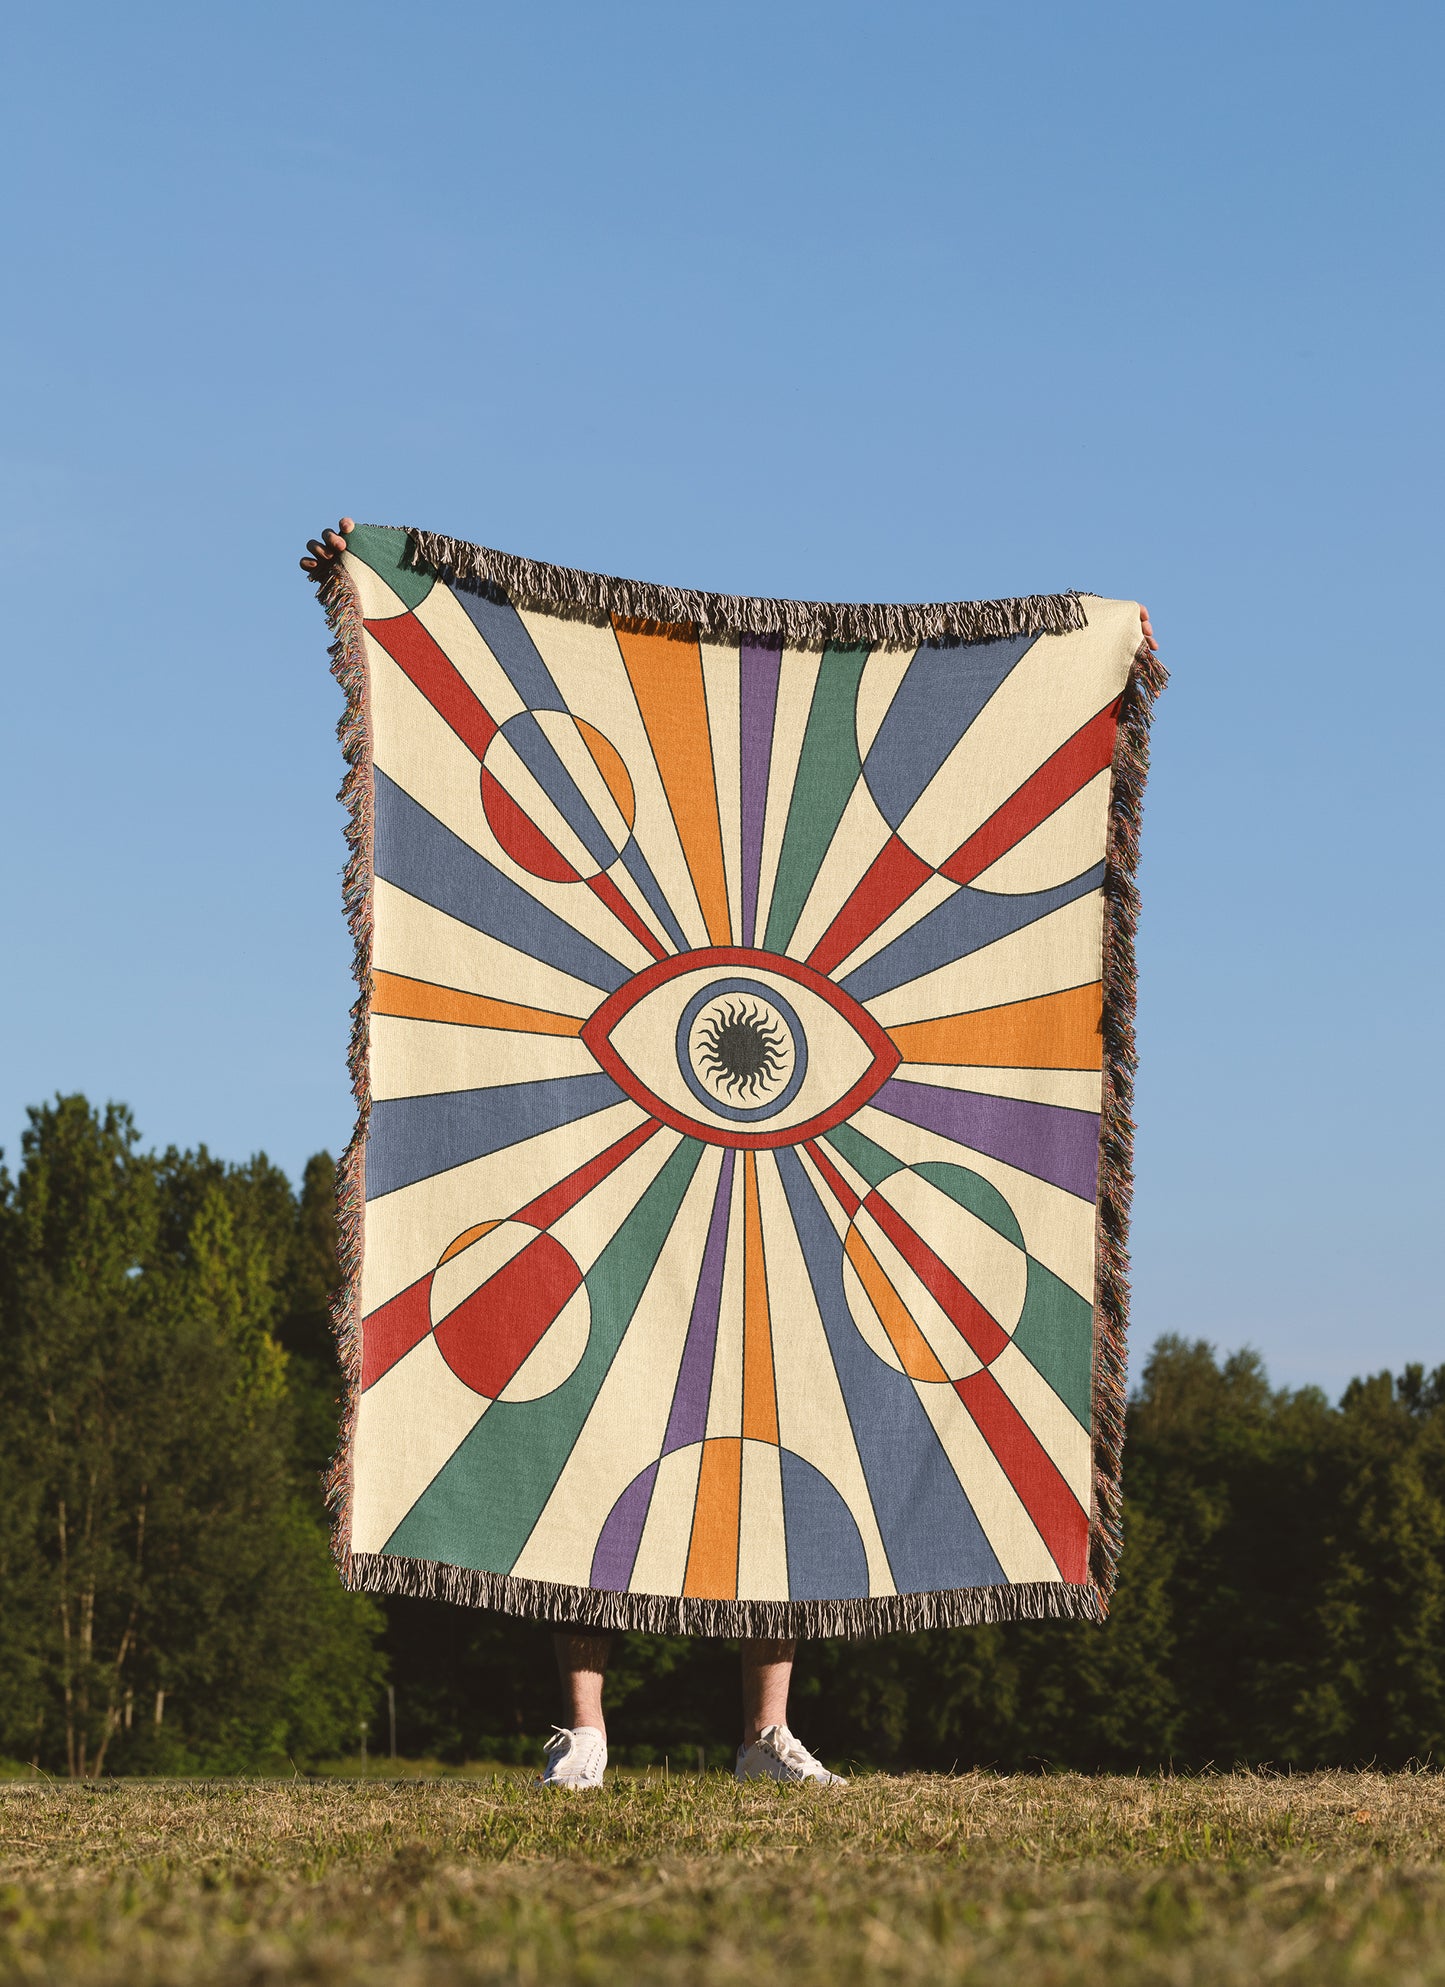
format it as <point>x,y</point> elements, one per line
<point>1062,1521</point>
<point>891,879</point>
<point>520,836</point>
<point>982,1331</point>
<point>409,645</point>
<point>842,1192</point>
<point>393,1329</point>
<point>1058,779</point>
<point>552,1205</point>
<point>602,886</point>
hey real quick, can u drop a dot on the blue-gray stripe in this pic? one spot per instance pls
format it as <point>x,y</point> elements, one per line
<point>941,694</point>
<point>411,1138</point>
<point>963,923</point>
<point>505,634</point>
<point>933,1540</point>
<point>421,856</point>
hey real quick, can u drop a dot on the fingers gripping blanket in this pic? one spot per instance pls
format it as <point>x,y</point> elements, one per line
<point>734,1227</point>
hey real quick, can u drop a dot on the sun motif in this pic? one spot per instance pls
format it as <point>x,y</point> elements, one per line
<point>742,1049</point>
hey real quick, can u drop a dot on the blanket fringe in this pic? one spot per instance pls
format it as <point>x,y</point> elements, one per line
<point>348,666</point>
<point>666,1614</point>
<point>1116,1124</point>
<point>563,590</point>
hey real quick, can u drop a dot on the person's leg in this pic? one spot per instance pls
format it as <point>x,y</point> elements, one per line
<point>581,1664</point>
<point>767,1672</point>
<point>576,1753</point>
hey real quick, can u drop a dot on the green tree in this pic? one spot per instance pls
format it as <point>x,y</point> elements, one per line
<point>1376,1689</point>
<point>1232,1473</point>
<point>293,1238</point>
<point>176,1603</point>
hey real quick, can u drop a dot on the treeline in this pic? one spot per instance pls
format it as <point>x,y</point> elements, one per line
<point>169,1396</point>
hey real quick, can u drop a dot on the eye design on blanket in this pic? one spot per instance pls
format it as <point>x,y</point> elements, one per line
<point>740,1047</point>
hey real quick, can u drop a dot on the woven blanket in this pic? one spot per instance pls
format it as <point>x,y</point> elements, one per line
<point>734,1227</point>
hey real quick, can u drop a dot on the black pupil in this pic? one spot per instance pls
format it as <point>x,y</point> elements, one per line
<point>742,1049</point>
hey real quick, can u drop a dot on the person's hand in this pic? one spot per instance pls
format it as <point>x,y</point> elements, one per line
<point>1145,623</point>
<point>328,548</point>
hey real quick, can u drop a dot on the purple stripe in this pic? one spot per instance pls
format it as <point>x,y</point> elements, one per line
<point>616,1553</point>
<point>1047,1140</point>
<point>758,688</point>
<point>688,1420</point>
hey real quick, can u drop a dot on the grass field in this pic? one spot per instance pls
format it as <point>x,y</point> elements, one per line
<point>983,1879</point>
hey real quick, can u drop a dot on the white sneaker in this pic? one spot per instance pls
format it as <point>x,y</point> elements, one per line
<point>777,1755</point>
<point>574,1759</point>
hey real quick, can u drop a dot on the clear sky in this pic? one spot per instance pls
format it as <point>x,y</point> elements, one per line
<point>860,301</point>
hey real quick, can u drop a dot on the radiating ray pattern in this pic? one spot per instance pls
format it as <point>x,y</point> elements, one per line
<point>735,1037</point>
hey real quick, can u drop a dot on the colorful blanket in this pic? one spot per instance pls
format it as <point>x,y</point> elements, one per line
<point>735,1221</point>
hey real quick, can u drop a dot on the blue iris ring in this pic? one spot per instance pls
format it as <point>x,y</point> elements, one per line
<point>739,1113</point>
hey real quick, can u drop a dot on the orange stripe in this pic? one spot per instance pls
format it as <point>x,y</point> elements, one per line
<point>712,1558</point>
<point>1052,1031</point>
<point>760,1400</point>
<point>915,1354</point>
<point>419,1000</point>
<point>465,1240</point>
<point>608,761</point>
<point>665,671</point>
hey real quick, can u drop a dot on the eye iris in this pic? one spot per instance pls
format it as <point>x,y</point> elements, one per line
<point>742,1049</point>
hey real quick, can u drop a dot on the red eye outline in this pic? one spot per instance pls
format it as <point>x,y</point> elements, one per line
<point>596,1033</point>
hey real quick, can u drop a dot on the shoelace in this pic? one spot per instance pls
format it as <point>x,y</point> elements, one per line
<point>791,1751</point>
<point>582,1746</point>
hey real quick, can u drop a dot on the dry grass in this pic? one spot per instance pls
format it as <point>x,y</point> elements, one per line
<point>1331,1877</point>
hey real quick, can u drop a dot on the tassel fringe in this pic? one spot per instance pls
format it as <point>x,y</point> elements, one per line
<point>666,1614</point>
<point>1116,1124</point>
<point>598,597</point>
<point>348,666</point>
<point>594,596</point>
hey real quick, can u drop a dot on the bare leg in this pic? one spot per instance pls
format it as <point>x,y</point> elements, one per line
<point>581,1661</point>
<point>767,1672</point>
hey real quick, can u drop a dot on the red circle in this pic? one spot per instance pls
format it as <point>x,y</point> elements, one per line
<point>489,1334</point>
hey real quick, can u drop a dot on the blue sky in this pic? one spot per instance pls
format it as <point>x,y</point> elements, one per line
<point>907,301</point>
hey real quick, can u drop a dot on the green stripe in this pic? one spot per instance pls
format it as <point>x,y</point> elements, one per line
<point>978,1195</point>
<point>479,1510</point>
<point>863,1155</point>
<point>380,546</point>
<point>1056,1335</point>
<point>828,771</point>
